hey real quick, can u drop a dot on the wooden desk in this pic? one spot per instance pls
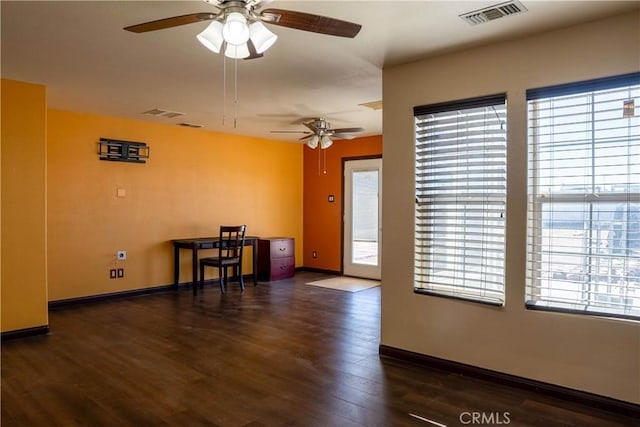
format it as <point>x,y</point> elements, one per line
<point>195,244</point>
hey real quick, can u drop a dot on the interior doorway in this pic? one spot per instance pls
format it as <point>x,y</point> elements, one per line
<point>362,227</point>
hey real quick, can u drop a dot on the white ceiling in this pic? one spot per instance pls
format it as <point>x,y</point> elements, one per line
<point>79,50</point>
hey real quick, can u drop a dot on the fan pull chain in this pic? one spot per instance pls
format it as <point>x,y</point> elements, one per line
<point>235,92</point>
<point>319,150</point>
<point>324,152</point>
<point>224,89</point>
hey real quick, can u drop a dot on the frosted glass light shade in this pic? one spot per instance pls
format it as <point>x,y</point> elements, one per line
<point>236,52</point>
<point>261,37</point>
<point>313,142</point>
<point>235,30</point>
<point>211,37</point>
<point>325,142</point>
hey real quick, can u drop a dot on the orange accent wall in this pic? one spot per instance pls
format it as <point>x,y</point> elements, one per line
<point>24,262</point>
<point>193,182</point>
<point>323,220</point>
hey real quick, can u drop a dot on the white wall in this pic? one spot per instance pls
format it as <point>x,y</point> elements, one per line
<point>596,355</point>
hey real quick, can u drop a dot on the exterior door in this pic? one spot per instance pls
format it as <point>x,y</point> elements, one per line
<point>362,218</point>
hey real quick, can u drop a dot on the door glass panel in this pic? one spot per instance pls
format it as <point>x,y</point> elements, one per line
<point>365,217</point>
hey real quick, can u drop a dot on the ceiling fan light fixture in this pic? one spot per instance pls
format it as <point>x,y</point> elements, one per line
<point>313,142</point>
<point>236,51</point>
<point>211,37</point>
<point>261,37</point>
<point>235,29</point>
<point>325,141</point>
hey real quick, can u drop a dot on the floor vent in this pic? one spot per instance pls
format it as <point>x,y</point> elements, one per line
<point>162,113</point>
<point>190,125</point>
<point>491,13</point>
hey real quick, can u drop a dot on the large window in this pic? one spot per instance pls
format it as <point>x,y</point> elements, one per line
<point>584,197</point>
<point>460,178</point>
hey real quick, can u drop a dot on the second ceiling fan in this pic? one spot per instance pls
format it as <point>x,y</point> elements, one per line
<point>237,26</point>
<point>321,133</point>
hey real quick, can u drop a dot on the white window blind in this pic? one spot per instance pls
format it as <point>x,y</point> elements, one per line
<point>584,197</point>
<point>460,180</point>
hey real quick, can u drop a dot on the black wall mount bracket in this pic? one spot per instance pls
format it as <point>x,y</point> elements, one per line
<point>123,151</point>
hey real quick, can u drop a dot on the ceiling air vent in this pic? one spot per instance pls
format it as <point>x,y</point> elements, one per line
<point>493,12</point>
<point>374,105</point>
<point>190,125</point>
<point>162,113</point>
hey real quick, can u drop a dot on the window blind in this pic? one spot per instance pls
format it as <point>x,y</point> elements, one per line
<point>460,188</point>
<point>584,197</point>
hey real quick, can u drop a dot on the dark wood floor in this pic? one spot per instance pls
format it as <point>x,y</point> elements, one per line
<point>280,354</point>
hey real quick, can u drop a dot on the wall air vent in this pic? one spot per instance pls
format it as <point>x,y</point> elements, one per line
<point>190,125</point>
<point>162,113</point>
<point>491,13</point>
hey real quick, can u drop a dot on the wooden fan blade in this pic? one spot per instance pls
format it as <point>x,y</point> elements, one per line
<point>311,125</point>
<point>253,54</point>
<point>306,137</point>
<point>343,136</point>
<point>310,22</point>
<point>348,130</point>
<point>291,131</point>
<point>174,21</point>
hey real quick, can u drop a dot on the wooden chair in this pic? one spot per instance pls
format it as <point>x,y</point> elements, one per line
<point>229,255</point>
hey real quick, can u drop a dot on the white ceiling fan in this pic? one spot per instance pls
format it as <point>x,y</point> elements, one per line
<point>321,133</point>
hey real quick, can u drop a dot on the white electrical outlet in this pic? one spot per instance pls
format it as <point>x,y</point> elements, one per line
<point>121,255</point>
